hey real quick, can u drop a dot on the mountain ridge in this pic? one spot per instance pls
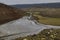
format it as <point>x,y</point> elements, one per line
<point>50,5</point>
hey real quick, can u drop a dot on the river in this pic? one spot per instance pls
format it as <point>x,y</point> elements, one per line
<point>21,27</point>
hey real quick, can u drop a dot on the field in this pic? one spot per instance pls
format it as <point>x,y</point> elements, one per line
<point>47,20</point>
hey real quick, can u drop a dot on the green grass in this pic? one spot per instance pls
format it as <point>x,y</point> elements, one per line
<point>47,20</point>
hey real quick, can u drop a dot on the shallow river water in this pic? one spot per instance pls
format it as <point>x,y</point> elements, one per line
<point>21,27</point>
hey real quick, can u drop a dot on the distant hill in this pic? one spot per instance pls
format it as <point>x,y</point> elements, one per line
<point>50,5</point>
<point>8,13</point>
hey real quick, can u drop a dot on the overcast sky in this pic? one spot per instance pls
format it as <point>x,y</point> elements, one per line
<point>11,2</point>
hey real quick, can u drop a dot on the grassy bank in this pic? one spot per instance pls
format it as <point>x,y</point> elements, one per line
<point>47,34</point>
<point>47,20</point>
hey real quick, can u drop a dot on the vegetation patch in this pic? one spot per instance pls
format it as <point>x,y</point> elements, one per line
<point>47,20</point>
<point>47,34</point>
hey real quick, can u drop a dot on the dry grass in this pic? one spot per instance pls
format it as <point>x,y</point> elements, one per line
<point>48,20</point>
<point>8,13</point>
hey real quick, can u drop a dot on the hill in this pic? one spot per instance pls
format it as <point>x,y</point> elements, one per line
<point>50,5</point>
<point>8,13</point>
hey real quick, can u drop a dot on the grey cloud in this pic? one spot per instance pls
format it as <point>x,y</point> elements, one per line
<point>10,2</point>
